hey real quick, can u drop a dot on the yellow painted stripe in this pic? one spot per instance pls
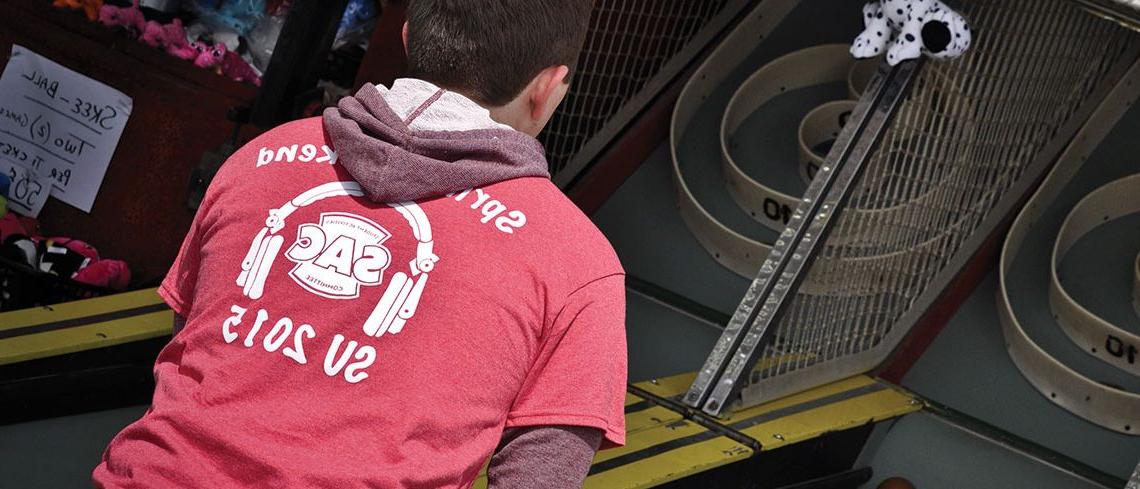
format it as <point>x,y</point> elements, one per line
<point>648,419</point>
<point>671,465</point>
<point>797,427</point>
<point>843,415</point>
<point>88,337</point>
<point>668,386</point>
<point>78,309</point>
<point>480,482</point>
<point>632,399</point>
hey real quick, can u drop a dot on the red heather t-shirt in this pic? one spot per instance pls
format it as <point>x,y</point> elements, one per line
<point>344,343</point>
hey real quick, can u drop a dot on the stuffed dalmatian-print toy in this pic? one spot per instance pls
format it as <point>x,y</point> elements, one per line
<point>911,28</point>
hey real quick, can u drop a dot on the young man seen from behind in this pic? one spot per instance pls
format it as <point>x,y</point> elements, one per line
<point>391,294</point>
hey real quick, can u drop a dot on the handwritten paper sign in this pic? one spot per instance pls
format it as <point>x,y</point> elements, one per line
<point>59,126</point>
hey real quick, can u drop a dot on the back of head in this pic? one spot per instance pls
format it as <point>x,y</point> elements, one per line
<point>490,50</point>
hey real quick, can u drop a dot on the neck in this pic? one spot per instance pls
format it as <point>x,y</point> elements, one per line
<point>511,114</point>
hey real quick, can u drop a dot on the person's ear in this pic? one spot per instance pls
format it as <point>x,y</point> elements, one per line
<point>404,35</point>
<point>548,89</point>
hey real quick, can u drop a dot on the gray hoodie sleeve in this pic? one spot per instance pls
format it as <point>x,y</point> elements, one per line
<point>554,457</point>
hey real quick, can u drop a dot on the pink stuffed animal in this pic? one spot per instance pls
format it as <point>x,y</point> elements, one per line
<point>171,37</point>
<point>185,51</point>
<point>237,69</point>
<point>129,17</point>
<point>79,261</point>
<point>153,34</point>
<point>208,56</point>
<point>229,63</point>
<point>111,274</point>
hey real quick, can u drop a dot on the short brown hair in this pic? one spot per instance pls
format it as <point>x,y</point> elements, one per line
<point>490,49</point>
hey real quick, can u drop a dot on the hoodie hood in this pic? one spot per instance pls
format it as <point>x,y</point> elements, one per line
<point>418,141</point>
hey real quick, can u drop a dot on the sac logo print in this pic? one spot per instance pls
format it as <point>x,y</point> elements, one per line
<point>334,257</point>
<point>338,255</point>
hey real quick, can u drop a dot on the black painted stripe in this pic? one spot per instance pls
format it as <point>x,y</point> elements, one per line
<point>638,406</point>
<point>648,452</point>
<point>676,300</point>
<point>799,408</point>
<point>82,321</point>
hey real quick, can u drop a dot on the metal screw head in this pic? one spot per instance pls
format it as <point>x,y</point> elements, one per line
<point>778,436</point>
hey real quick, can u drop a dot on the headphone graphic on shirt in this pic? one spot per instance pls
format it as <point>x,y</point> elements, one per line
<point>400,299</point>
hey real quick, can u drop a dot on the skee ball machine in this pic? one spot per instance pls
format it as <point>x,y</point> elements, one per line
<point>841,273</point>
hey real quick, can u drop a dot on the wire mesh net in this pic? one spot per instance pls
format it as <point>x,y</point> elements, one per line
<point>628,43</point>
<point>964,136</point>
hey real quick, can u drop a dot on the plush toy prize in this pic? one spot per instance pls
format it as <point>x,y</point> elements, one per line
<point>911,28</point>
<point>171,37</point>
<point>129,17</point>
<point>89,7</point>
